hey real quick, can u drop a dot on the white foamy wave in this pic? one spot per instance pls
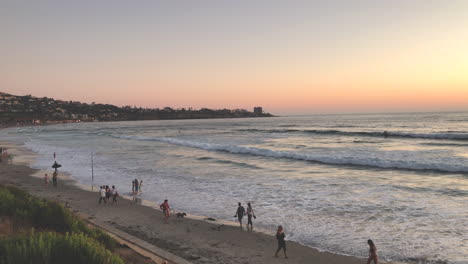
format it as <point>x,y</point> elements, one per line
<point>388,160</point>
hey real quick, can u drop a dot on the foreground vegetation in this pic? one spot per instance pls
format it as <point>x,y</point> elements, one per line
<point>64,238</point>
<point>50,247</point>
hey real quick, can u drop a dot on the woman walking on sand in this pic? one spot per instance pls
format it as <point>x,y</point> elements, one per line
<point>372,253</point>
<point>250,214</point>
<point>281,243</point>
<point>165,208</point>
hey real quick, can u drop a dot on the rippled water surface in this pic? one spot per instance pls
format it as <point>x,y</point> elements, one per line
<point>333,181</point>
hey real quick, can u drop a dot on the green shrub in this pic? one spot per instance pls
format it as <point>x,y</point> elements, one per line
<point>49,247</point>
<point>43,214</point>
<point>7,202</point>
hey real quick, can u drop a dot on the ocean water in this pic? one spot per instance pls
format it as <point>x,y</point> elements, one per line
<point>333,181</point>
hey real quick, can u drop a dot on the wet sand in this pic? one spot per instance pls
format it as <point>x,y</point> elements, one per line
<point>195,240</point>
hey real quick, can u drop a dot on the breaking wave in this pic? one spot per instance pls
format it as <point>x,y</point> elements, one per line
<point>396,160</point>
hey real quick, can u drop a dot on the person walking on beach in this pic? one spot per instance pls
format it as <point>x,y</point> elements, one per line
<point>54,179</point>
<point>114,194</point>
<point>102,194</point>
<point>166,210</point>
<point>108,193</point>
<point>136,186</point>
<point>281,242</point>
<point>240,213</point>
<point>250,214</point>
<point>141,183</point>
<point>372,253</point>
<point>133,187</point>
<point>46,180</point>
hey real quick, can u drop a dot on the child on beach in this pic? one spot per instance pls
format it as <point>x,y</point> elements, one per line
<point>141,183</point>
<point>372,253</point>
<point>166,210</point>
<point>281,243</point>
<point>46,180</point>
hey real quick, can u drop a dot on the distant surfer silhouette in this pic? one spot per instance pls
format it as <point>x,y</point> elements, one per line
<point>56,166</point>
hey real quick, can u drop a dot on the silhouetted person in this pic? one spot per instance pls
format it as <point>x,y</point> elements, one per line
<point>54,178</point>
<point>281,242</point>
<point>240,213</point>
<point>372,253</point>
<point>56,166</point>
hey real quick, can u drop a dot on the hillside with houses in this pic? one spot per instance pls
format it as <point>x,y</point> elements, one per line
<point>28,110</point>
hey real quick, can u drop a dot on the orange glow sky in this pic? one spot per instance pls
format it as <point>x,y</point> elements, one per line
<point>287,56</point>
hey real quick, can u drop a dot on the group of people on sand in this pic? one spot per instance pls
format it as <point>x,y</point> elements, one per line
<point>136,186</point>
<point>105,193</point>
<point>54,179</point>
<point>280,235</point>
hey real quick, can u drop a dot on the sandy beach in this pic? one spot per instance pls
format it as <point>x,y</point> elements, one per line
<point>195,240</point>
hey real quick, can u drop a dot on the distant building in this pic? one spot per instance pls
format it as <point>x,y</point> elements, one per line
<point>258,110</point>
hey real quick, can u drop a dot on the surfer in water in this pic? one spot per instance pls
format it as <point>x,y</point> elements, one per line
<point>385,134</point>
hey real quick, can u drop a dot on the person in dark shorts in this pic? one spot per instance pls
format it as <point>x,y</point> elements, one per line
<point>240,213</point>
<point>250,214</point>
<point>281,242</point>
<point>136,186</point>
<point>108,193</point>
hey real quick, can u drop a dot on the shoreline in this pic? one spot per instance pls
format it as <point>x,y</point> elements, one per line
<point>192,238</point>
<point>60,122</point>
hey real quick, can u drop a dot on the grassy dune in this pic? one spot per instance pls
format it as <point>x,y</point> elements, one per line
<point>54,234</point>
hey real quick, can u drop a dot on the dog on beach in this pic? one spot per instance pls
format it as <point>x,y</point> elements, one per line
<point>181,215</point>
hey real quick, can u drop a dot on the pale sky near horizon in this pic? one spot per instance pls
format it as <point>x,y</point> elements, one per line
<point>287,56</point>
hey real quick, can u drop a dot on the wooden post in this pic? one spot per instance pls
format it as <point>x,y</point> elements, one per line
<point>92,169</point>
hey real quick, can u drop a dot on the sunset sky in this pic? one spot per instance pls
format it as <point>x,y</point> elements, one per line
<point>287,56</point>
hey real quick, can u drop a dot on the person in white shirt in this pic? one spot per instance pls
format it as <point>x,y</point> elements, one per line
<point>102,195</point>
<point>250,214</point>
<point>114,194</point>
